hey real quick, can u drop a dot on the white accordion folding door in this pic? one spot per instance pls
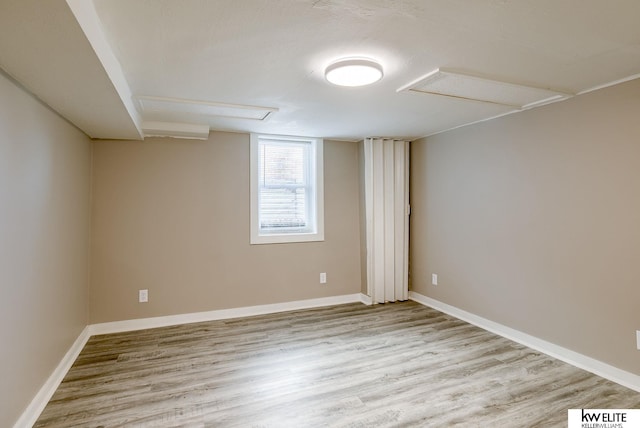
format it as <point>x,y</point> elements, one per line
<point>386,169</point>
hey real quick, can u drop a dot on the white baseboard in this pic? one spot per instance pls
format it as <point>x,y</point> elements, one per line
<point>367,300</point>
<point>37,405</point>
<point>221,314</point>
<point>576,359</point>
<point>39,402</point>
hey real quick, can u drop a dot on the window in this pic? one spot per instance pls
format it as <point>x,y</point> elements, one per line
<point>286,189</point>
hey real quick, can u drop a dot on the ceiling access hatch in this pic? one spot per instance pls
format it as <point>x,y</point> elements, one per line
<point>160,108</point>
<point>468,87</point>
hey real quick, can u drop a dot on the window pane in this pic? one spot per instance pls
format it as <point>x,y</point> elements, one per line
<point>283,208</point>
<point>282,180</point>
<point>282,164</point>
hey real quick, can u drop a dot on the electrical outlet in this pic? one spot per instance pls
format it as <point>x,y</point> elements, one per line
<point>323,278</point>
<point>638,339</point>
<point>434,279</point>
<point>143,296</point>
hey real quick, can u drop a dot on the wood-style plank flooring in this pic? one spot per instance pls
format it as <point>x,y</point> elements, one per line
<point>399,364</point>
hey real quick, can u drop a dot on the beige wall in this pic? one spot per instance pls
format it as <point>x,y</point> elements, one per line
<point>533,221</point>
<point>172,216</point>
<point>45,167</point>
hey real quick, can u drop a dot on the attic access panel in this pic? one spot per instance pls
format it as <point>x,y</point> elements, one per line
<point>152,107</point>
<point>463,86</point>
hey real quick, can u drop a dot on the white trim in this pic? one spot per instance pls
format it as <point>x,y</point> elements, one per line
<point>576,359</point>
<point>193,131</point>
<point>317,198</point>
<point>39,402</point>
<point>366,299</point>
<point>608,84</point>
<point>221,314</point>
<point>37,405</point>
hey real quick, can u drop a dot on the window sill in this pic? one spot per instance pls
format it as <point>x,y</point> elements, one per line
<point>287,238</point>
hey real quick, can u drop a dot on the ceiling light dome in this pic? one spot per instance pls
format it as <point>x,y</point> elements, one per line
<point>353,72</point>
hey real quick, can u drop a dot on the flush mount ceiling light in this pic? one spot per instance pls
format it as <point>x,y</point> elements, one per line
<point>353,72</point>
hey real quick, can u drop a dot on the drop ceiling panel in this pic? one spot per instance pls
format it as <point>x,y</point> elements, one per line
<point>480,89</point>
<point>158,108</point>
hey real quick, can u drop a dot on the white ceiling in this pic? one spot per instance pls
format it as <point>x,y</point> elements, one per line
<point>93,61</point>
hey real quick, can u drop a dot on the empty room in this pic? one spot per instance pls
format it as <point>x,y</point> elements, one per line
<point>319,213</point>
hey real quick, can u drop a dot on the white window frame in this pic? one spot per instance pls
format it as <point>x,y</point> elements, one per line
<point>317,198</point>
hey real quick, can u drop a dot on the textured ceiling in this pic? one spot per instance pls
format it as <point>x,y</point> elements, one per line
<point>272,54</point>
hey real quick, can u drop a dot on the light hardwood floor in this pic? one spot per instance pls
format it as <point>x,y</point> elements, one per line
<point>399,364</point>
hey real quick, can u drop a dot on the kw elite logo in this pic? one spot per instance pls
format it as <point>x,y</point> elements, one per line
<point>604,418</point>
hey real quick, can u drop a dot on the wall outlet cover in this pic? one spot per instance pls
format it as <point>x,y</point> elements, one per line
<point>434,279</point>
<point>323,278</point>
<point>143,296</point>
